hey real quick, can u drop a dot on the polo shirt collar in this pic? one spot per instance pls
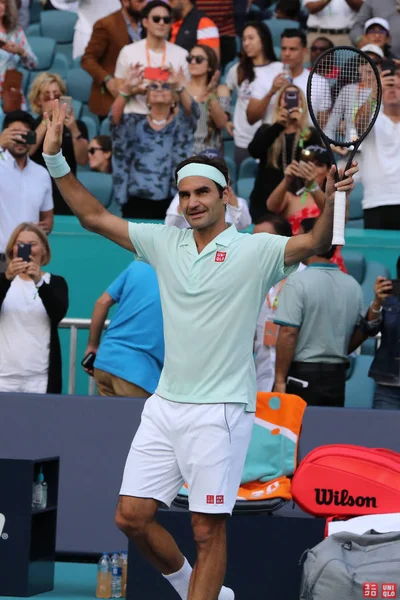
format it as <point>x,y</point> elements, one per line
<point>222,239</point>
<point>9,157</point>
<point>322,266</point>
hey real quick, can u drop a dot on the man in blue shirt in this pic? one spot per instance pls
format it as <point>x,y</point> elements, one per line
<point>130,357</point>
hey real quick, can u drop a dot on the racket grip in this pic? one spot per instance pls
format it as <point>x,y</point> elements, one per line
<point>339,219</point>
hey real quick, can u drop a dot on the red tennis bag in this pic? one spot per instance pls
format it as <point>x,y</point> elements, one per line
<point>345,480</point>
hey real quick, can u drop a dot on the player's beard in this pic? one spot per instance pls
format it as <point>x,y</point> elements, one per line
<point>135,14</point>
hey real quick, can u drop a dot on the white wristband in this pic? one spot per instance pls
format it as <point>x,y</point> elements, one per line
<point>56,165</point>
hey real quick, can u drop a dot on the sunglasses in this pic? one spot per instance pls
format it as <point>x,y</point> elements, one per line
<point>197,59</point>
<point>158,19</point>
<point>159,86</point>
<point>47,96</point>
<point>94,150</point>
<point>380,30</point>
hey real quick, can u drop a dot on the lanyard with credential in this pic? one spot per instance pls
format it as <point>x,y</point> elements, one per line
<point>274,305</point>
<point>148,58</point>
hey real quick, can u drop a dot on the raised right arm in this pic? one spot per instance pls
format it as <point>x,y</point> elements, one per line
<point>90,212</point>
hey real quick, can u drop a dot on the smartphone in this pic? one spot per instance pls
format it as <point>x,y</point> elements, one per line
<point>396,287</point>
<point>88,361</point>
<point>29,137</point>
<point>389,65</point>
<point>297,382</point>
<point>156,74</point>
<point>291,99</point>
<point>24,252</point>
<point>68,101</point>
<point>307,155</point>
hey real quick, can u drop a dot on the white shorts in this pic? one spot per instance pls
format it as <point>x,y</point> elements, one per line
<point>203,445</point>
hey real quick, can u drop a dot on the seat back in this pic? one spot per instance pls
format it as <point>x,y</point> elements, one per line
<point>230,163</point>
<point>44,49</point>
<point>60,25</point>
<point>98,184</point>
<point>79,84</point>
<point>248,168</point>
<point>360,388</point>
<point>245,187</point>
<point>277,26</point>
<point>355,202</point>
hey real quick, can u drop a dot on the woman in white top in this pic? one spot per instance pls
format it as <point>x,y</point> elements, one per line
<point>32,303</point>
<point>257,61</point>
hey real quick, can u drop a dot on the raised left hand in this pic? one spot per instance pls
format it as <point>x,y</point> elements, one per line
<point>53,139</point>
<point>347,185</point>
<point>34,271</point>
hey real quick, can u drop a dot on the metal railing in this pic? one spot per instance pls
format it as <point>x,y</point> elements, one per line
<point>73,325</point>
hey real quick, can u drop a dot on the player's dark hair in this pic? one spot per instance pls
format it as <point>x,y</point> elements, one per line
<point>280,224</point>
<point>295,33</point>
<point>246,68</point>
<point>308,225</point>
<point>155,4</point>
<point>218,163</point>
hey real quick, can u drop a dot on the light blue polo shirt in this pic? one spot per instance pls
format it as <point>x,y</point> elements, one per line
<point>210,302</point>
<point>326,305</point>
<point>133,345</point>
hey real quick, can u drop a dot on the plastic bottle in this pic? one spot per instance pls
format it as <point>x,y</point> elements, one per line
<point>288,73</point>
<point>104,577</point>
<point>40,493</point>
<point>116,579</point>
<point>124,564</point>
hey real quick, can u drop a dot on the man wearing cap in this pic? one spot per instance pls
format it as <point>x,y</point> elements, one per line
<point>197,427</point>
<point>377,32</point>
<point>374,15</point>
<point>333,18</point>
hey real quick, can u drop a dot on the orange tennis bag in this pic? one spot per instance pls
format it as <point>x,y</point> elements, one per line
<point>347,481</point>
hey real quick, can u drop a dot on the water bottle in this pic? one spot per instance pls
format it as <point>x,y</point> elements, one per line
<point>104,577</point>
<point>124,565</point>
<point>116,579</point>
<point>287,73</point>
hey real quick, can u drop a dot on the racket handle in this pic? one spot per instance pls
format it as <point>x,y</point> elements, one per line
<point>339,219</point>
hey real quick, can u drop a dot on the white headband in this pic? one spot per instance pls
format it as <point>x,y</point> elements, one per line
<point>199,170</point>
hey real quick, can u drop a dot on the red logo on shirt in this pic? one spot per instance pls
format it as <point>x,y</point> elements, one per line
<point>370,590</point>
<point>389,590</point>
<point>220,256</point>
<point>220,499</point>
<point>210,500</point>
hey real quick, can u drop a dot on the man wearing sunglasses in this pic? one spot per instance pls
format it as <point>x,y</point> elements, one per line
<point>192,26</point>
<point>154,54</point>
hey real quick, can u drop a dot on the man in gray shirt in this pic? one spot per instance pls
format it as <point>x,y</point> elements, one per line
<point>320,317</point>
<point>386,9</point>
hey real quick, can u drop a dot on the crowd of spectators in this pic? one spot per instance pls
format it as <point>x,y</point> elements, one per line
<point>171,80</point>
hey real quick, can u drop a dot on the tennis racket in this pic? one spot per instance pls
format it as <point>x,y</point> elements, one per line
<point>344,96</point>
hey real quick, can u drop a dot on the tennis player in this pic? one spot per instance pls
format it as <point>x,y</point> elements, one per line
<point>196,428</point>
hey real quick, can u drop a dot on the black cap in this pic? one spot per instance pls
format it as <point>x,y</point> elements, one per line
<point>19,115</point>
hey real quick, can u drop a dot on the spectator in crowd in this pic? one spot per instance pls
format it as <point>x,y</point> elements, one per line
<point>212,99</point>
<point>100,152</point>
<point>25,187</point>
<point>257,62</point>
<point>380,165</point>
<point>32,303</point>
<point>277,146</point>
<point>237,210</point>
<point>147,148</point>
<point>222,14</point>
<point>320,45</point>
<point>90,11</point>
<point>23,7</point>
<point>377,32</point>
<point>385,366</point>
<point>152,53</point>
<point>130,357</point>
<point>15,51</point>
<point>191,27</point>
<point>288,9</point>
<point>109,36</point>
<point>266,330</point>
<point>47,87</point>
<point>311,354</point>
<point>383,9</point>
<point>293,55</point>
<point>332,17</point>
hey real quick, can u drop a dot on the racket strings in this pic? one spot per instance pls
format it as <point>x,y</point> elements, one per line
<point>345,82</point>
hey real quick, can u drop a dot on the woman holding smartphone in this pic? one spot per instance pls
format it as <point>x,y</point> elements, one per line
<point>279,144</point>
<point>32,303</point>
<point>47,87</point>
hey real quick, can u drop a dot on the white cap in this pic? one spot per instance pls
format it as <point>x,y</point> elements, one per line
<point>374,49</point>
<point>377,21</point>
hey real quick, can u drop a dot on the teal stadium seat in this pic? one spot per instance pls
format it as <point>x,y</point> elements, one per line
<point>360,388</point>
<point>35,10</point>
<point>355,206</point>
<point>33,29</point>
<point>248,168</point>
<point>79,84</point>
<point>277,26</point>
<point>245,187</point>
<point>59,24</point>
<point>101,186</point>
<point>277,50</point>
<point>365,272</point>
<point>91,126</point>
<point>44,49</point>
<point>105,128</point>
<point>229,149</point>
<point>77,107</point>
